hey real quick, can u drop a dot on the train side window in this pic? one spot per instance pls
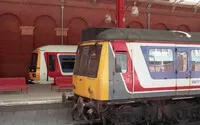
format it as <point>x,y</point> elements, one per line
<point>67,62</point>
<point>121,63</point>
<point>51,61</point>
<point>161,60</point>
<point>195,60</point>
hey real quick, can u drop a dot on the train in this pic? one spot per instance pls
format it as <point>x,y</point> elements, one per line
<point>125,76</point>
<point>50,61</point>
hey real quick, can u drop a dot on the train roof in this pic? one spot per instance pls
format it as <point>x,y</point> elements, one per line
<point>58,48</point>
<point>139,34</point>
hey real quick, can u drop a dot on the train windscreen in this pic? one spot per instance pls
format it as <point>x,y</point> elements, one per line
<point>87,60</point>
<point>33,64</point>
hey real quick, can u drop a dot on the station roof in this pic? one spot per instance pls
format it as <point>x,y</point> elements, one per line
<point>172,4</point>
<point>175,3</point>
<point>181,2</point>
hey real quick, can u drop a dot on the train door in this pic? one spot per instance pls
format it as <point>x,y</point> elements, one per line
<point>123,75</point>
<point>51,65</point>
<point>183,71</point>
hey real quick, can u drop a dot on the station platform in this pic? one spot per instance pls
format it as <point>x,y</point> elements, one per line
<point>38,94</point>
<point>41,106</point>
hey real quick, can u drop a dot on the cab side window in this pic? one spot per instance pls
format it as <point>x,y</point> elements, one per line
<point>121,63</point>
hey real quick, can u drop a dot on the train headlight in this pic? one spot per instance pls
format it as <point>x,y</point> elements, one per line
<point>90,90</point>
<point>34,75</point>
<point>73,86</point>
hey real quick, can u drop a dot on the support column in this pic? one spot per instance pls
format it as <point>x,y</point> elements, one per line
<point>120,13</point>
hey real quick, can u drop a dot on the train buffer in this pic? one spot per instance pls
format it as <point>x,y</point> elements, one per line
<point>18,83</point>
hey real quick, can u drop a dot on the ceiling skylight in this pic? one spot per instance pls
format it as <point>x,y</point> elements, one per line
<point>187,2</point>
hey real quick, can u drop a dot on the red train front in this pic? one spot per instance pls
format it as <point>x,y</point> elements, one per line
<point>51,61</point>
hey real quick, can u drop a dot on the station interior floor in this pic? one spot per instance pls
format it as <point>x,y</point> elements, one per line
<point>37,93</point>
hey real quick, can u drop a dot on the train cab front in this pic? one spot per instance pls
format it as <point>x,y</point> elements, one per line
<point>34,73</point>
<point>90,77</point>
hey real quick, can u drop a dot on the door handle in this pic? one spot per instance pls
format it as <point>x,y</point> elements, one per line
<point>189,74</point>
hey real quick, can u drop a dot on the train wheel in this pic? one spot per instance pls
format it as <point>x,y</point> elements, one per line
<point>75,114</point>
<point>106,121</point>
<point>129,115</point>
<point>182,112</point>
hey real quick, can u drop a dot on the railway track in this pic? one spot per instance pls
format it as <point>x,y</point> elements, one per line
<point>87,123</point>
<point>186,114</point>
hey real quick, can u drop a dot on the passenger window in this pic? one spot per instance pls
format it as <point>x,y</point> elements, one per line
<point>67,63</point>
<point>182,61</point>
<point>195,60</point>
<point>161,60</point>
<point>121,63</point>
<point>51,61</point>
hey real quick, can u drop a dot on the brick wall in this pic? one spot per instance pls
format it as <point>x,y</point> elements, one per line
<point>27,24</point>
